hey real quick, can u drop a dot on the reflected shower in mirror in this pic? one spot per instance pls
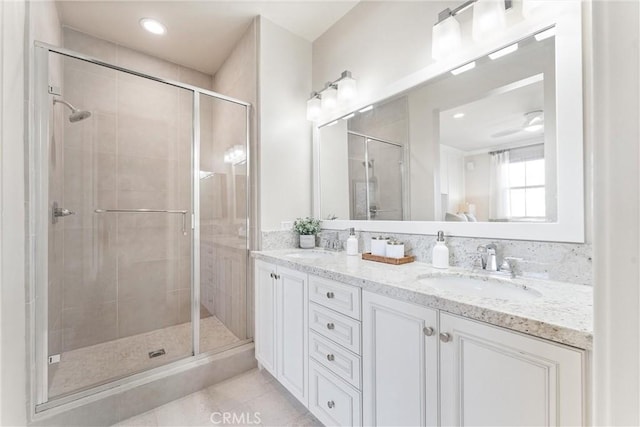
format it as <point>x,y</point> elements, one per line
<point>479,145</point>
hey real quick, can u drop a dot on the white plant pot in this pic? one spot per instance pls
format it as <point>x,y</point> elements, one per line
<point>307,242</point>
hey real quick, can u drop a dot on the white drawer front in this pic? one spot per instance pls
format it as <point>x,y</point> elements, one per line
<point>337,327</point>
<point>333,401</point>
<point>342,298</point>
<point>335,358</point>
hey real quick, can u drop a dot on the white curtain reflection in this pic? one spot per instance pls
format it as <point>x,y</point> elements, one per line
<point>499,197</point>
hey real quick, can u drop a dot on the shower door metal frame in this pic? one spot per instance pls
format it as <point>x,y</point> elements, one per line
<point>38,226</point>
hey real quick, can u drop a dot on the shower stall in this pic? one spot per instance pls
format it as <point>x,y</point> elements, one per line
<point>376,177</point>
<point>139,201</point>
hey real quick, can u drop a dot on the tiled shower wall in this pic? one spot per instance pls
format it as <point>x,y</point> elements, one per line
<point>567,262</point>
<point>124,274</point>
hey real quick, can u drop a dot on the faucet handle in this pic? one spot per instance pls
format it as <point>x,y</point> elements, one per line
<point>512,264</point>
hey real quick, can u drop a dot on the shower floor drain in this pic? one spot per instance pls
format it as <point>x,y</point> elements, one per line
<point>156,353</point>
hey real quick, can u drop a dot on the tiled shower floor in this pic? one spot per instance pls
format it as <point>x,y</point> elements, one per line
<point>90,366</point>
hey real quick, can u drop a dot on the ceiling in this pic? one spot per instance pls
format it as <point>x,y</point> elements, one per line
<point>493,121</point>
<point>200,34</point>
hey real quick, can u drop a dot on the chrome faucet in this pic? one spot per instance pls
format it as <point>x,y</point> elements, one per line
<point>488,256</point>
<point>333,244</point>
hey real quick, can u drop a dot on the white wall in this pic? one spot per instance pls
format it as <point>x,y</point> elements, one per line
<point>284,133</point>
<point>12,281</point>
<point>616,120</point>
<point>40,20</point>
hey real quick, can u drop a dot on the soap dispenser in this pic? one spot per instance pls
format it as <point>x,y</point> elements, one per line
<point>352,242</point>
<point>440,256</point>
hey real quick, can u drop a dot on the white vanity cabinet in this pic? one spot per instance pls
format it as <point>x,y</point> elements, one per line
<point>281,313</point>
<point>488,376</point>
<point>400,363</point>
<point>491,376</point>
<point>356,358</point>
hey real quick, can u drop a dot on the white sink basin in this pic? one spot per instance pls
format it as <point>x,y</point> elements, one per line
<point>481,287</point>
<point>310,254</point>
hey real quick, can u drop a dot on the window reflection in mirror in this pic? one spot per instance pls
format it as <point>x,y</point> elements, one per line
<point>477,146</point>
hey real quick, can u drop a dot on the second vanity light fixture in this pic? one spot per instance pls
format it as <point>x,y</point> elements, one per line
<point>488,19</point>
<point>335,94</point>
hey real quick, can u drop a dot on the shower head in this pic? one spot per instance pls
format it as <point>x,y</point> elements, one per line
<point>76,114</point>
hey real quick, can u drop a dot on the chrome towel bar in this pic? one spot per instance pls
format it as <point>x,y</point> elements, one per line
<point>183,213</point>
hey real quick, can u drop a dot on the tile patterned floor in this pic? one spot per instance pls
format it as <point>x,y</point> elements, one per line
<point>90,366</point>
<point>251,399</point>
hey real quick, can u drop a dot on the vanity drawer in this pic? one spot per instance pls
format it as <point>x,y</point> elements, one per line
<point>332,400</point>
<point>335,358</point>
<point>335,326</point>
<point>342,298</point>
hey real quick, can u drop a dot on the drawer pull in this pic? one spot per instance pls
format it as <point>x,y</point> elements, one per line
<point>331,357</point>
<point>330,295</point>
<point>331,326</point>
<point>428,330</point>
<point>445,337</point>
<point>331,404</point>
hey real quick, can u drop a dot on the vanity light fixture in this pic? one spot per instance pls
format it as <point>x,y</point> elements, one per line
<point>314,107</point>
<point>446,35</point>
<point>545,34</point>
<point>458,115</point>
<point>504,51</point>
<point>488,17</point>
<point>466,67</point>
<point>335,94</point>
<point>153,26</point>
<point>365,109</point>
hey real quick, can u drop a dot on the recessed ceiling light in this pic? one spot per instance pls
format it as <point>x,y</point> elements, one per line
<point>458,115</point>
<point>465,67</point>
<point>153,26</point>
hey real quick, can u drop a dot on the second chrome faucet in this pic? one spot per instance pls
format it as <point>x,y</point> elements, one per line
<point>489,261</point>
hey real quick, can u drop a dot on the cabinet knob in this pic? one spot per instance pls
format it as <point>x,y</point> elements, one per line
<point>331,357</point>
<point>330,295</point>
<point>445,337</point>
<point>331,404</point>
<point>330,326</point>
<point>428,330</point>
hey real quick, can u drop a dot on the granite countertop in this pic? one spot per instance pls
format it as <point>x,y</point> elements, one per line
<point>557,311</point>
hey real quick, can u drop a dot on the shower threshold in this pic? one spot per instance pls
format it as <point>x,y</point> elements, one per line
<point>88,367</point>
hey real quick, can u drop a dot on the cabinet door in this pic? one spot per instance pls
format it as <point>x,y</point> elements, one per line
<point>400,363</point>
<point>494,377</point>
<point>291,333</point>
<point>265,315</point>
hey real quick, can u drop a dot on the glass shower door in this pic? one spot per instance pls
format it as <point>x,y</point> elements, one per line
<point>119,270</point>
<point>385,164</point>
<point>223,225</point>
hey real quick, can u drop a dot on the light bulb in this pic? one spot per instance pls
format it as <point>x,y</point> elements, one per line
<point>329,100</point>
<point>445,38</point>
<point>313,108</point>
<point>488,19</point>
<point>347,89</point>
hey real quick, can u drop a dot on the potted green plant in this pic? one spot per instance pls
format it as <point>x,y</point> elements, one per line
<point>307,228</point>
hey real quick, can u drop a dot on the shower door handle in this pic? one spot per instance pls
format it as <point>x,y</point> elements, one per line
<point>57,212</point>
